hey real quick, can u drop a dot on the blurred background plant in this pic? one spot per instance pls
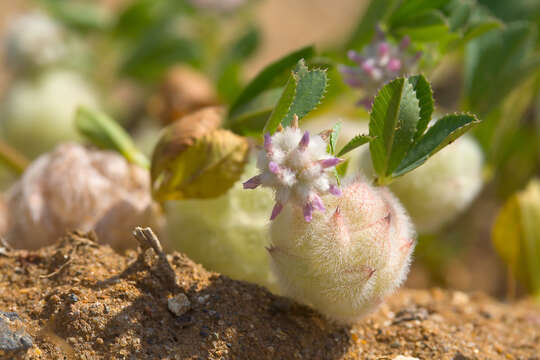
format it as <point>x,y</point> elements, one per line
<point>150,63</point>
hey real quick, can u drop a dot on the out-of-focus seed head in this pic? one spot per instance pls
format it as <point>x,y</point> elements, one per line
<point>196,159</point>
<point>379,62</point>
<point>227,234</point>
<point>37,114</point>
<point>75,188</point>
<point>347,259</point>
<point>297,166</point>
<point>34,40</point>
<point>435,193</point>
<point>183,91</point>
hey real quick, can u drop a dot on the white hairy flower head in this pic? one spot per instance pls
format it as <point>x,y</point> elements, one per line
<point>75,188</point>
<point>347,260</point>
<point>34,40</point>
<point>298,168</point>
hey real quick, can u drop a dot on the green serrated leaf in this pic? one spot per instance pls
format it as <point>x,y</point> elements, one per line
<point>443,132</point>
<point>422,87</point>
<point>282,107</point>
<point>334,136</point>
<point>393,123</point>
<point>303,93</point>
<point>105,133</point>
<point>266,79</point>
<point>355,142</point>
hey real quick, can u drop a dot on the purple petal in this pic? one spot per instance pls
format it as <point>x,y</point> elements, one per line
<point>331,162</point>
<point>267,142</point>
<point>273,167</point>
<point>317,202</point>
<point>334,190</point>
<point>368,67</point>
<point>276,210</point>
<point>355,56</point>
<point>304,141</point>
<point>308,211</point>
<point>253,182</point>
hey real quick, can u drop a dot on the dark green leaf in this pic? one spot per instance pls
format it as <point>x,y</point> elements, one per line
<point>375,13</point>
<point>355,142</point>
<point>429,26</point>
<point>267,78</point>
<point>411,8</point>
<point>393,122</point>
<point>251,117</point>
<point>105,133</point>
<point>443,132</point>
<point>424,95</point>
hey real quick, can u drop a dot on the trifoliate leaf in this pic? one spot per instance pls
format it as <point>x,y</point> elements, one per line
<point>425,99</point>
<point>334,136</point>
<point>303,92</point>
<point>443,132</point>
<point>393,122</point>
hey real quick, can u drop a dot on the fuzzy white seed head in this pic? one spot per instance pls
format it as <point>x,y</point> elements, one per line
<point>227,234</point>
<point>435,193</point>
<point>347,259</point>
<point>298,168</point>
<point>74,188</point>
<point>38,114</point>
<point>34,40</point>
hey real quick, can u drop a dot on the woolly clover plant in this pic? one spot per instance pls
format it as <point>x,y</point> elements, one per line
<point>347,257</point>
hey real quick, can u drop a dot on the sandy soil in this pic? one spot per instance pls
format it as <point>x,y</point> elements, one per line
<point>80,300</point>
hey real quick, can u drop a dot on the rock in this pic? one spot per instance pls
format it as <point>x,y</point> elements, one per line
<point>179,304</point>
<point>403,357</point>
<point>13,337</point>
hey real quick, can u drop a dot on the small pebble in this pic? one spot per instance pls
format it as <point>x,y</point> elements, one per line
<point>179,304</point>
<point>403,357</point>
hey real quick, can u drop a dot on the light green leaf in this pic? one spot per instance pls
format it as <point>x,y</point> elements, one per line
<point>516,235</point>
<point>422,87</point>
<point>411,8</point>
<point>105,133</point>
<point>334,136</point>
<point>443,132</point>
<point>429,26</point>
<point>341,170</point>
<point>355,142</point>
<point>393,123</point>
<point>269,77</point>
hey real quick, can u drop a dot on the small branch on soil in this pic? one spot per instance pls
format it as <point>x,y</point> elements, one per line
<point>148,240</point>
<point>57,271</point>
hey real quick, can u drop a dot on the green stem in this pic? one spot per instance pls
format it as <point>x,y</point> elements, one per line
<point>13,159</point>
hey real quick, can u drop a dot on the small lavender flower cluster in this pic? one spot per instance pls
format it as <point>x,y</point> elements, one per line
<point>378,63</point>
<point>298,168</point>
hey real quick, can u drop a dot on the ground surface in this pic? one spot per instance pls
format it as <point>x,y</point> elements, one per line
<point>81,300</point>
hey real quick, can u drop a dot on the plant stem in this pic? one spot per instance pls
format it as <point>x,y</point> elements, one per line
<point>13,159</point>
